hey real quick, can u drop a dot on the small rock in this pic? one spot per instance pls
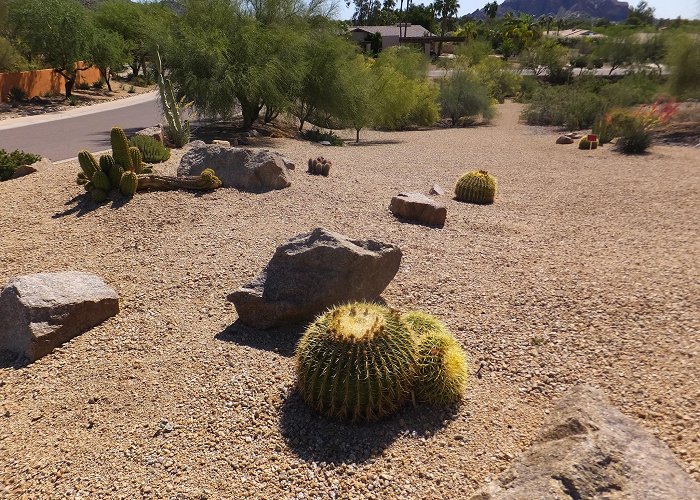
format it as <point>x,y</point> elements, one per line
<point>565,139</point>
<point>324,143</point>
<point>419,208</point>
<point>221,142</point>
<point>436,189</point>
<point>23,170</point>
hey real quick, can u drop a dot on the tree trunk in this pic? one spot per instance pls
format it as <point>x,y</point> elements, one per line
<point>357,136</point>
<point>69,87</point>
<point>106,74</point>
<point>135,66</point>
<point>169,183</point>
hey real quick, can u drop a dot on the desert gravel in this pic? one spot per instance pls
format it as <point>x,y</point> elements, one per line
<point>585,270</point>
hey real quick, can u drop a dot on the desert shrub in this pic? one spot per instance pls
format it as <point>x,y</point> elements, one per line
<point>568,106</point>
<point>684,60</point>
<point>131,90</point>
<point>500,81</point>
<point>16,95</point>
<point>98,84</point>
<point>315,135</point>
<point>464,97</point>
<point>630,90</point>
<point>546,56</point>
<point>528,86</point>
<point>152,150</point>
<point>72,100</point>
<point>10,161</point>
<point>635,128</point>
<point>83,86</point>
<point>473,53</point>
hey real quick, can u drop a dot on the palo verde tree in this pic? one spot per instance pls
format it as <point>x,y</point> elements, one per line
<point>59,30</point>
<point>109,54</point>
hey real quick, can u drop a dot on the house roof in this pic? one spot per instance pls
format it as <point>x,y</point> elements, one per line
<point>574,33</point>
<point>410,31</point>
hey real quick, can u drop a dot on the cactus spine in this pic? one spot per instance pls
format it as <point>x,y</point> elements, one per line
<point>178,131</point>
<point>88,163</point>
<point>476,187</point>
<point>421,323</point>
<point>356,362</point>
<point>128,184</point>
<point>120,148</point>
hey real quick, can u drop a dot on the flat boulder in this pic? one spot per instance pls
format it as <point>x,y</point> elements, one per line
<point>312,272</point>
<point>419,208</point>
<point>42,311</point>
<point>588,449</point>
<point>564,139</point>
<point>255,170</point>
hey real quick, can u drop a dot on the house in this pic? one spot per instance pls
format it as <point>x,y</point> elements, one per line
<point>572,34</point>
<point>390,34</point>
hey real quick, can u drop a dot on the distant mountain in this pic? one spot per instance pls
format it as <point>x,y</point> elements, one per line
<point>613,10</point>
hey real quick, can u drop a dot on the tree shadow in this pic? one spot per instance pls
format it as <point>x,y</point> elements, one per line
<point>279,340</point>
<point>373,142</point>
<point>9,359</point>
<point>314,438</point>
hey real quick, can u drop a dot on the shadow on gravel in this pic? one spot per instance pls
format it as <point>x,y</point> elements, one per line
<point>317,439</point>
<point>279,340</point>
<point>372,143</point>
<point>84,205</point>
<point>11,360</point>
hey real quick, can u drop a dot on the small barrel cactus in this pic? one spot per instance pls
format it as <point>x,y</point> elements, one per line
<point>421,323</point>
<point>442,368</point>
<point>88,163</point>
<point>210,177</point>
<point>120,148</point>
<point>584,143</point>
<point>101,181</point>
<point>128,184</point>
<point>106,163</point>
<point>356,362</point>
<point>476,187</point>
<point>319,166</point>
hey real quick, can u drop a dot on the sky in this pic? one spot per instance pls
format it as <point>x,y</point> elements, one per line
<point>687,9</point>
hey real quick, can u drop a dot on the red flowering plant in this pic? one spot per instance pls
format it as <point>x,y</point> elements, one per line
<point>634,128</point>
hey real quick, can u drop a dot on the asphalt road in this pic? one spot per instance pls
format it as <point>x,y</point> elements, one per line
<point>60,136</point>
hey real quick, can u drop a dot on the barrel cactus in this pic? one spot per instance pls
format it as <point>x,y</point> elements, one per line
<point>584,143</point>
<point>356,362</point>
<point>101,181</point>
<point>136,160</point>
<point>115,175</point>
<point>88,163</point>
<point>98,195</point>
<point>442,368</point>
<point>128,184</point>
<point>120,148</point>
<point>106,163</point>
<point>421,323</point>
<point>319,166</point>
<point>476,187</point>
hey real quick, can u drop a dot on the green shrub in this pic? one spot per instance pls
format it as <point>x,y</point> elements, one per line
<point>152,150</point>
<point>630,90</point>
<point>464,97</point>
<point>315,135</point>
<point>98,84</point>
<point>500,81</point>
<point>16,95</point>
<point>567,106</point>
<point>684,60</point>
<point>83,86</point>
<point>10,161</point>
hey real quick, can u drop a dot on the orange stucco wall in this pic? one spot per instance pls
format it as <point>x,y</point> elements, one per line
<point>40,82</point>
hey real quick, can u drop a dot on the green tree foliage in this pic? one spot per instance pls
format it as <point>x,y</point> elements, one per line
<point>421,15</point>
<point>545,56</point>
<point>109,54</point>
<point>491,10</point>
<point>684,61</point>
<point>641,15</point>
<point>473,52</point>
<point>59,30</point>
<point>463,97</point>
<point>616,51</point>
<point>652,50</point>
<point>498,78</point>
<point>10,58</point>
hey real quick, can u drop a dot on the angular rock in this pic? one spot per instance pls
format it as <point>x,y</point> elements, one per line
<point>23,170</point>
<point>588,449</point>
<point>255,170</point>
<point>437,190</point>
<point>221,142</point>
<point>419,208</point>
<point>312,272</point>
<point>42,311</point>
<point>156,132</point>
<point>564,139</point>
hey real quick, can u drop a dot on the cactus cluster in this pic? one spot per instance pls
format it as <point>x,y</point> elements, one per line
<point>319,166</point>
<point>584,143</point>
<point>362,361</point>
<point>95,176</point>
<point>476,187</point>
<point>152,150</point>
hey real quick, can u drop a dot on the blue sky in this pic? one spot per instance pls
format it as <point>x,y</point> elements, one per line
<point>688,9</point>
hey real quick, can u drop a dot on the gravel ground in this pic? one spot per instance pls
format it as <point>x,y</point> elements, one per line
<point>584,271</point>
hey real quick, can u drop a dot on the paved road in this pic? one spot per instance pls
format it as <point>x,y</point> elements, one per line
<point>60,136</point>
